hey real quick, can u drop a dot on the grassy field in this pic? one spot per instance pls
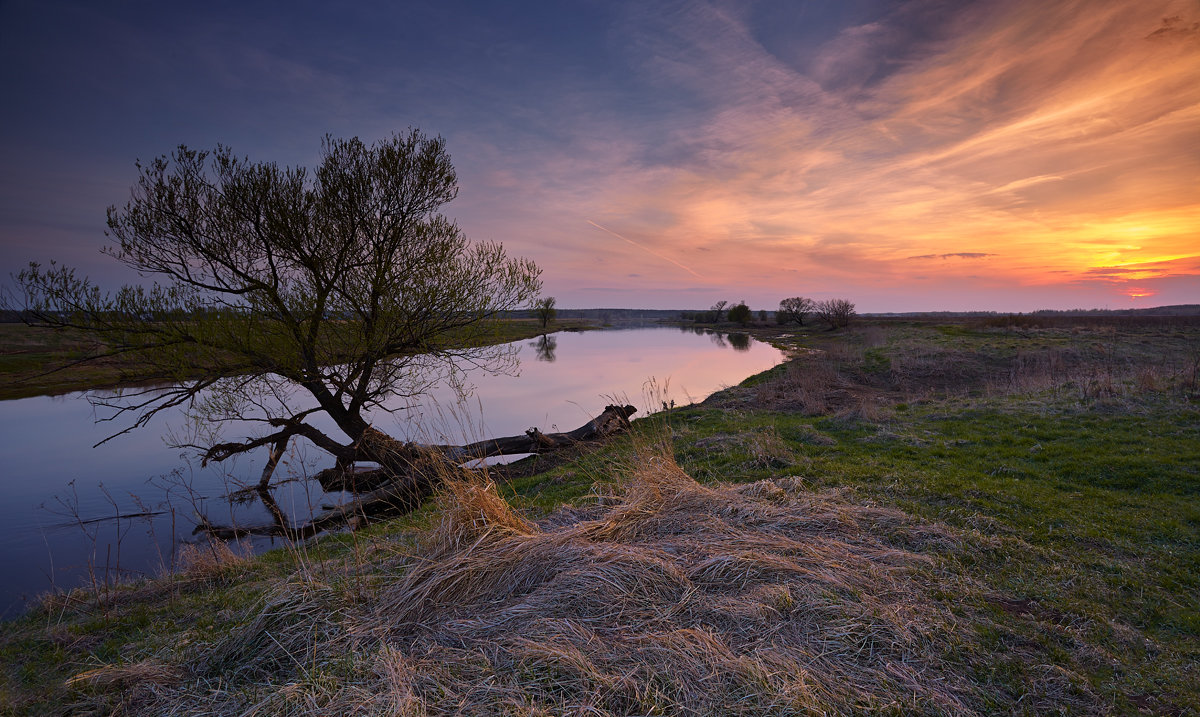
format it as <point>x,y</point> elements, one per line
<point>40,362</point>
<point>905,518</point>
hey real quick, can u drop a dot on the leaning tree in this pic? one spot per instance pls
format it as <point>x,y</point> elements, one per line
<point>298,300</point>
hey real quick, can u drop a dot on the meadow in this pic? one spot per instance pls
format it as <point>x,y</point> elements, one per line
<point>971,516</point>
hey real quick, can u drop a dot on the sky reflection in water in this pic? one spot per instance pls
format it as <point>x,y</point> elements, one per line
<point>56,478</point>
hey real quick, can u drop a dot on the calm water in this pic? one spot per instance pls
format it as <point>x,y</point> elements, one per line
<point>61,493</point>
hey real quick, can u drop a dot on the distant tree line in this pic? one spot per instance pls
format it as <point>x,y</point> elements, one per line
<point>834,313</point>
<point>722,312</point>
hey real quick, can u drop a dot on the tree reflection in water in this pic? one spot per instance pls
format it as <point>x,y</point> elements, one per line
<point>545,347</point>
<point>545,394</point>
<point>739,342</point>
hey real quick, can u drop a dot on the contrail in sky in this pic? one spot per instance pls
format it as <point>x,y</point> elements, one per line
<point>646,249</point>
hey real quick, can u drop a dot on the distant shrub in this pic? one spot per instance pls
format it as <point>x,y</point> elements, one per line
<point>835,312</point>
<point>1013,321</point>
<point>740,314</point>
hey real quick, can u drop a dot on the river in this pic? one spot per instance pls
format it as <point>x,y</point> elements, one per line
<point>62,494</point>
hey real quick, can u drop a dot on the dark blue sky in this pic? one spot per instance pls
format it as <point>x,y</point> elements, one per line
<point>729,150</point>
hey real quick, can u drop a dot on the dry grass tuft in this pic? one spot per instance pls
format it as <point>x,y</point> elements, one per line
<point>213,560</point>
<point>873,336</point>
<point>126,677</point>
<point>669,597</point>
<point>678,599</point>
<point>472,511</point>
<point>1092,373</point>
<point>298,624</point>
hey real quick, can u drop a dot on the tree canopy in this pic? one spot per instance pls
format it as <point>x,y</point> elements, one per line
<point>545,311</point>
<point>278,293</point>
<point>836,312</point>
<point>740,313</point>
<point>794,309</point>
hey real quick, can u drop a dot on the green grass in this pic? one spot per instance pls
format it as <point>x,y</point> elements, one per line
<point>1073,493</point>
<point>1085,499</point>
<point>1083,494</point>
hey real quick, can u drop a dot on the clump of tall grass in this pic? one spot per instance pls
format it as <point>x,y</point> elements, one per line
<point>472,511</point>
<point>873,336</point>
<point>666,597</point>
<point>212,560</point>
<point>677,599</point>
<point>140,683</point>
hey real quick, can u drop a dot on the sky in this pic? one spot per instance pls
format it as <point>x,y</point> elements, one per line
<point>921,155</point>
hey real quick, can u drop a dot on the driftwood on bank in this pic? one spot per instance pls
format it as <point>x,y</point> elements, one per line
<point>613,419</point>
<point>384,491</point>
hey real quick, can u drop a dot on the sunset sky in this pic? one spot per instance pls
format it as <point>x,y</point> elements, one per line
<point>909,156</point>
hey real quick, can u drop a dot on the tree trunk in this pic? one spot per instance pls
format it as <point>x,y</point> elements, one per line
<point>410,472</point>
<point>397,458</point>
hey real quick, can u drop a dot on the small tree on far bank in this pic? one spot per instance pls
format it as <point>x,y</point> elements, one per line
<point>545,311</point>
<point>794,309</point>
<point>835,312</point>
<point>740,314</point>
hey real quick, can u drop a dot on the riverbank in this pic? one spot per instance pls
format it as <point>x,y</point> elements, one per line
<point>47,362</point>
<point>905,517</point>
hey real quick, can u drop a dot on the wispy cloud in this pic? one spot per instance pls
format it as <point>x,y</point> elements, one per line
<point>1045,138</point>
<point>954,255</point>
<point>1175,267</point>
<point>768,148</point>
<point>646,249</point>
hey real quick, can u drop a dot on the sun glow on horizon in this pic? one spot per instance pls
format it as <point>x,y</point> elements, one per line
<point>906,155</point>
<point>1040,148</point>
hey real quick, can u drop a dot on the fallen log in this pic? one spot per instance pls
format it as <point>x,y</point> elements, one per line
<point>382,492</point>
<point>613,419</point>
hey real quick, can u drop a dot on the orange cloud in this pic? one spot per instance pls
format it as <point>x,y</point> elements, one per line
<point>1053,139</point>
<point>1030,149</point>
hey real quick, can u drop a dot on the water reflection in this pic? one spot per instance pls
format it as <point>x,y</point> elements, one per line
<point>740,342</point>
<point>45,445</point>
<point>545,346</point>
